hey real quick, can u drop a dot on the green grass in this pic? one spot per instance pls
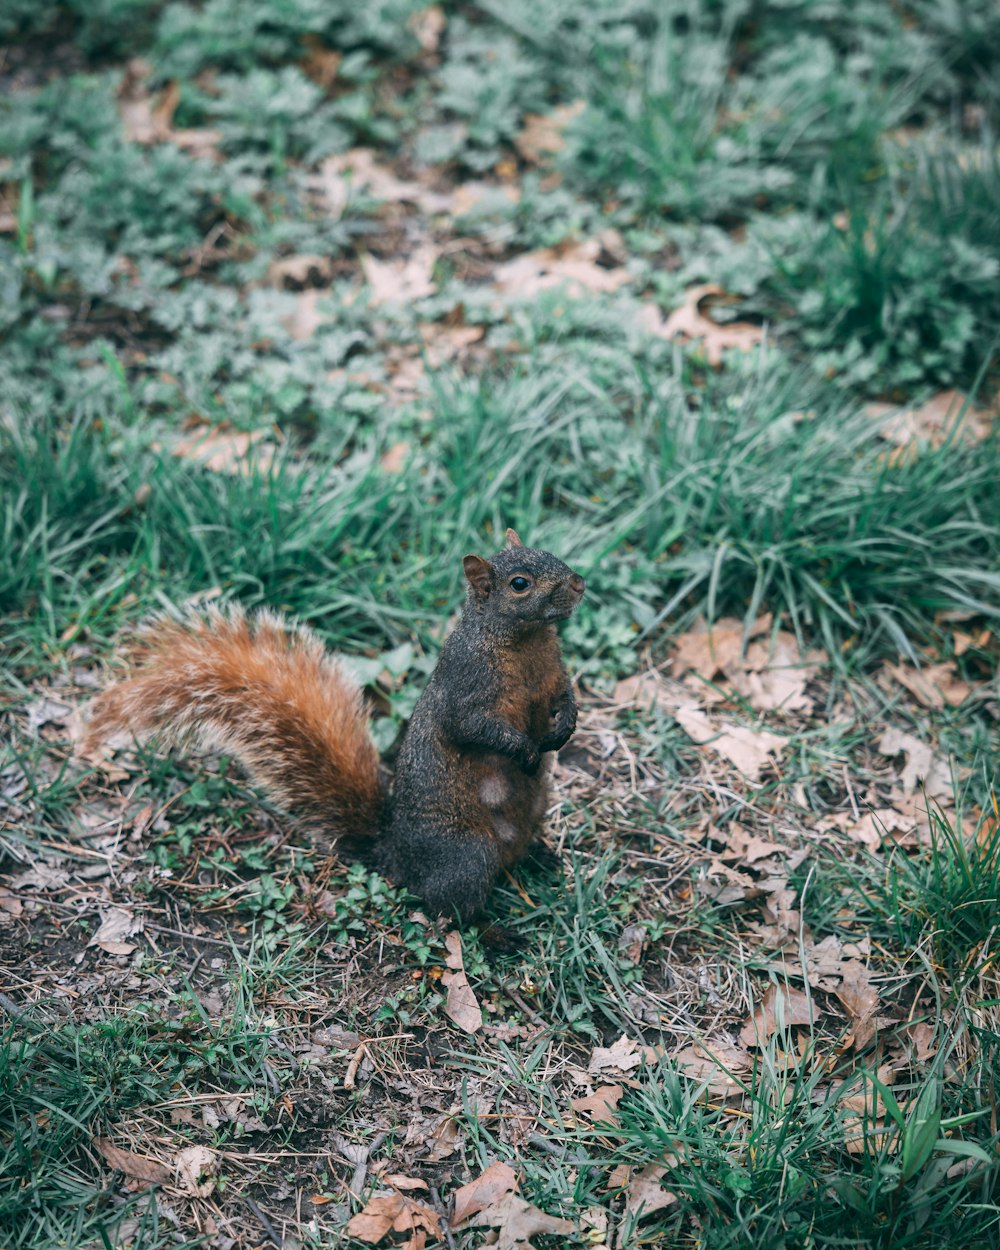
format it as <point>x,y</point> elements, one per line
<point>779,1174</point>
<point>833,168</point>
<point>950,899</point>
<point>63,1084</point>
<point>741,508</point>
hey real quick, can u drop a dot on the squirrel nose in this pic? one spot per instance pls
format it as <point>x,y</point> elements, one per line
<point>577,584</point>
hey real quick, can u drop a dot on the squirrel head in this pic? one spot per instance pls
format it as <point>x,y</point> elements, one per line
<point>521,588</point>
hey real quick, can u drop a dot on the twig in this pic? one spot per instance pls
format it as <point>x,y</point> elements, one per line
<point>352,1068</point>
<point>11,1008</point>
<point>192,937</point>
<point>850,793</point>
<point>439,1206</point>
<point>528,1011</point>
<point>265,1223</point>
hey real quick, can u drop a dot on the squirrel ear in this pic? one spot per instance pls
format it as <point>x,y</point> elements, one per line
<point>480,575</point>
<point>513,540</point>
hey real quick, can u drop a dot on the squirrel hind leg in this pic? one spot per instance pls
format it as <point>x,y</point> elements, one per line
<point>451,877</point>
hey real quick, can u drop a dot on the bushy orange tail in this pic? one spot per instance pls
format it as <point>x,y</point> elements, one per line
<point>264,692</point>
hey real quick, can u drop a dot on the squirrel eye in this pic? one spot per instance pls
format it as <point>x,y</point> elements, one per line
<point>519,583</point>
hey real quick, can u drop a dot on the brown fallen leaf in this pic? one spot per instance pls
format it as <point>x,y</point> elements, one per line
<point>443,1140</point>
<point>921,766</point>
<point>934,686</point>
<point>781,1007</point>
<point>470,197</point>
<point>717,1064</point>
<point>40,876</point>
<point>117,924</point>
<point>748,750</point>
<point>863,1135</point>
<point>601,1105</point>
<point>394,460</point>
<point>305,270</point>
<point>444,343</point>
<point>138,1167</point>
<point>398,1181</point>
<point>594,1226</point>
<point>875,825</point>
<point>738,885</point>
<point>710,649</point>
<point>224,451</point>
<point>921,811</point>
<point>428,26</point>
<point>320,63</point>
<point>775,674</point>
<point>963,640</point>
<point>149,121</point>
<point>406,375</point>
<point>750,848</point>
<point>771,674</point>
<point>573,266</point>
<point>487,1189</point>
<point>824,962</point>
<point>229,1111</point>
<point>395,1213</point>
<point>618,1177</point>
<point>10,904</point>
<point>359,171</point>
<point>196,1167</point>
<point>688,322</point>
<point>632,942</point>
<point>396,281</point>
<point>867,1125</point>
<point>930,423</point>
<point>46,711</point>
<point>306,318</point>
<point>650,690</point>
<point>860,997</point>
<point>779,908</point>
<point>543,133</point>
<point>645,1194</point>
<point>924,1037</point>
<point>517,1221</point>
<point>144,120</point>
<point>621,1056</point>
<point>461,1006</point>
<point>200,143</point>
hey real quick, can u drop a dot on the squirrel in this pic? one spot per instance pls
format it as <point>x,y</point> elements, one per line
<point>470,786</point>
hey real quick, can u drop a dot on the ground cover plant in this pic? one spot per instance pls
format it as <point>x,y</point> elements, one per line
<point>303,301</point>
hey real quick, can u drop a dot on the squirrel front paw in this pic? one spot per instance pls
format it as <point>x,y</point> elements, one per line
<point>530,759</point>
<point>561,731</point>
<point>555,740</point>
